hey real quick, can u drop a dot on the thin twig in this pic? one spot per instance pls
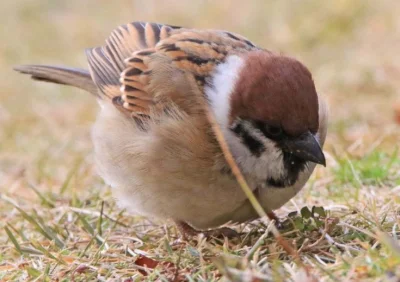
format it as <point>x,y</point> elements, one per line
<point>342,246</point>
<point>255,247</point>
<point>358,229</point>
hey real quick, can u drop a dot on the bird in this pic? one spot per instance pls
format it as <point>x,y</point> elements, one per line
<point>154,144</point>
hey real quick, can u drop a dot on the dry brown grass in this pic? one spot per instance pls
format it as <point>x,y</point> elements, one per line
<point>59,221</point>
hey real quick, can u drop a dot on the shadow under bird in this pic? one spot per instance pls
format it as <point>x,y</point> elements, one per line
<point>153,140</point>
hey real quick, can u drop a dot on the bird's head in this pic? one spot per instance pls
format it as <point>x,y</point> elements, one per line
<point>270,113</point>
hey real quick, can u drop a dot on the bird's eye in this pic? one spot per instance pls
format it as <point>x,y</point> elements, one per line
<point>274,131</point>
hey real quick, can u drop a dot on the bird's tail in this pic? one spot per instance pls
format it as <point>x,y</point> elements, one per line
<point>79,78</point>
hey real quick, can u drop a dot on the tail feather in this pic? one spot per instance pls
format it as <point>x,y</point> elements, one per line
<point>79,78</point>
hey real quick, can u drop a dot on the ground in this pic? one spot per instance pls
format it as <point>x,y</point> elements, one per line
<point>58,220</point>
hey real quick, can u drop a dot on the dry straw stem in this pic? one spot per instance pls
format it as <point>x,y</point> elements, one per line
<point>250,195</point>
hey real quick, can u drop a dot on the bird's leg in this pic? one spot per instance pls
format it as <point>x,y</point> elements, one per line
<point>272,216</point>
<point>188,231</point>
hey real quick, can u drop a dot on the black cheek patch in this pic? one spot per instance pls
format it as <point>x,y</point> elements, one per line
<point>254,145</point>
<point>276,183</point>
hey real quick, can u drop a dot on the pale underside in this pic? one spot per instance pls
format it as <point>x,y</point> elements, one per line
<point>153,142</point>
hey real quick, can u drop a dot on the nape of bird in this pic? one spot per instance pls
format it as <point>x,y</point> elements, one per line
<point>153,141</point>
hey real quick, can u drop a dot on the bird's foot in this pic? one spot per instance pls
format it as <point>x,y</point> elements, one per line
<point>278,223</point>
<point>188,231</point>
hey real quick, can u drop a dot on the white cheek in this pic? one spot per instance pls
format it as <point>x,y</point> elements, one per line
<point>269,164</point>
<point>272,160</point>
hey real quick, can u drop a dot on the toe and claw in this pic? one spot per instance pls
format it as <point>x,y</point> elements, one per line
<point>188,231</point>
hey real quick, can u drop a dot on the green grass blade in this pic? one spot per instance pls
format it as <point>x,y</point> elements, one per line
<point>13,240</point>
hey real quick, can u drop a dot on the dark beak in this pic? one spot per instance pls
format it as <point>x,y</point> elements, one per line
<point>306,147</point>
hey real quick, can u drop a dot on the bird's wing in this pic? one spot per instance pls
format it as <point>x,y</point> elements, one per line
<point>145,63</point>
<point>106,63</point>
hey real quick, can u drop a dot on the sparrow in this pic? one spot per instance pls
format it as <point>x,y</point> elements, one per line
<point>153,140</point>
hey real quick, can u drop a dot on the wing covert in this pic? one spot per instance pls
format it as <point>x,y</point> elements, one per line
<point>185,52</point>
<point>139,55</point>
<point>106,63</point>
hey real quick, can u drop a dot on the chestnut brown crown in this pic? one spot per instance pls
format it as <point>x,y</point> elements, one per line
<point>277,90</point>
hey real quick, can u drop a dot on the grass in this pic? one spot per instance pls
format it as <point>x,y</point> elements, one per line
<point>59,221</point>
